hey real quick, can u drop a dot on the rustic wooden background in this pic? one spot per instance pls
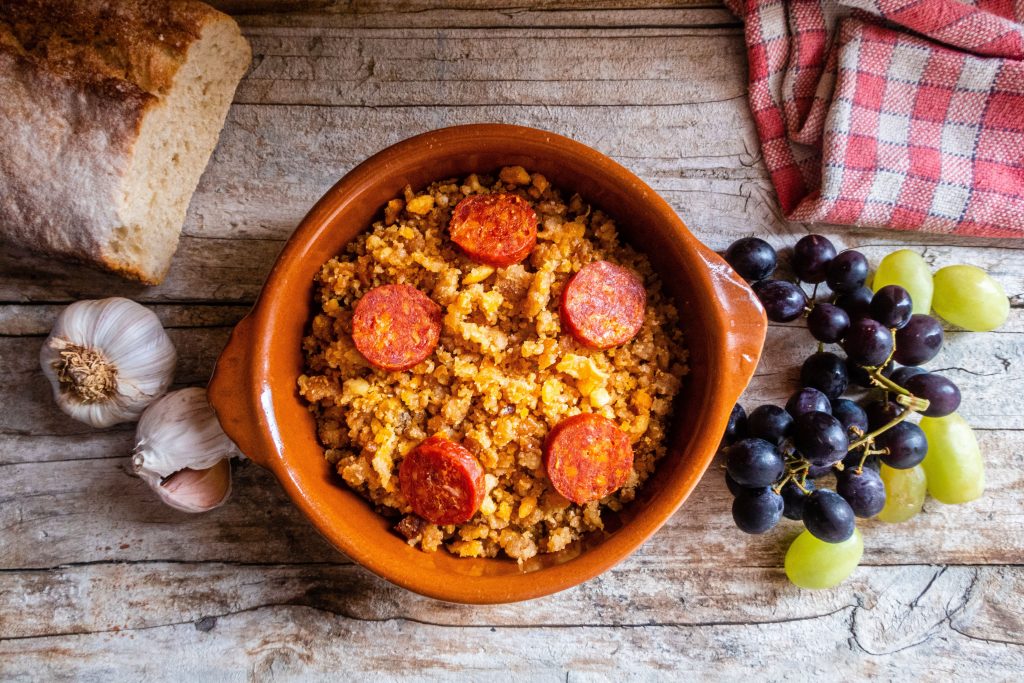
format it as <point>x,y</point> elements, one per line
<point>99,581</point>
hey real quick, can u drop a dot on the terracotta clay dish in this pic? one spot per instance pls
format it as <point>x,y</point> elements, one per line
<point>667,280</point>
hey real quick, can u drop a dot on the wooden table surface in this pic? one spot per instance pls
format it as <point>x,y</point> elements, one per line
<point>99,581</point>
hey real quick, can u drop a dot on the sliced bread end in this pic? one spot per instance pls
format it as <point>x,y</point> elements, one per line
<point>176,139</point>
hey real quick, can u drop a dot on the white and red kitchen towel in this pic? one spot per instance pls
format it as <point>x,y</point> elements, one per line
<point>905,114</point>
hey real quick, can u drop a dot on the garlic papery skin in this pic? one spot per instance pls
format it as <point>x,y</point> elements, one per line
<point>178,438</point>
<point>107,360</point>
<point>191,490</point>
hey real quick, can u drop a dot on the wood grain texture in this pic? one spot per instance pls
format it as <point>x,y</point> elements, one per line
<point>944,627</point>
<point>99,581</point>
<point>471,13</point>
<point>304,620</point>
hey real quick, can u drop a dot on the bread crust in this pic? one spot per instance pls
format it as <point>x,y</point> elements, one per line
<point>77,78</point>
<point>126,44</point>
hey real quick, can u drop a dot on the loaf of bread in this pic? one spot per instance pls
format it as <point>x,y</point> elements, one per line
<point>109,112</point>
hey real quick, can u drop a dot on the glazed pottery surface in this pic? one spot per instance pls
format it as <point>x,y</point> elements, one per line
<point>255,395</point>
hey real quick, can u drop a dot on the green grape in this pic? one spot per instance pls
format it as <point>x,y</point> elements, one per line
<point>904,493</point>
<point>812,563</point>
<point>955,471</point>
<point>970,298</point>
<point>907,269</point>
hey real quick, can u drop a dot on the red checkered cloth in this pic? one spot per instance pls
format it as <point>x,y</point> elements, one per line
<point>891,113</point>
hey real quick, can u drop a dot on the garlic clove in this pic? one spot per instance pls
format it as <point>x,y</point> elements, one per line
<point>191,490</point>
<point>182,453</point>
<point>179,430</point>
<point>107,360</point>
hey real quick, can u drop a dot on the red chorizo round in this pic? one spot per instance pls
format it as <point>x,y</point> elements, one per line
<point>396,326</point>
<point>603,305</point>
<point>495,229</point>
<point>587,457</point>
<point>442,481</point>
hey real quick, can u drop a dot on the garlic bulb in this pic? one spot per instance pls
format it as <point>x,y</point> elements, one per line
<point>107,360</point>
<point>182,452</point>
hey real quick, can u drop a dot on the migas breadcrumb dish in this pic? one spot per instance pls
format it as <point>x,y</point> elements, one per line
<point>500,368</point>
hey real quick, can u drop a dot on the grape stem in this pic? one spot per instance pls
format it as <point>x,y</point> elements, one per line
<point>913,403</point>
<point>870,436</point>
<point>860,465</point>
<point>800,474</point>
<point>905,398</point>
<point>886,383</point>
<point>868,452</point>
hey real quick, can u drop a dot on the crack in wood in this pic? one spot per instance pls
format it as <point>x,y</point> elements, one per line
<point>432,624</point>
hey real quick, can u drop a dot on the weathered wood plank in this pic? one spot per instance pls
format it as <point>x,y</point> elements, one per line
<point>710,16</point>
<point>225,271</point>
<point>943,619</point>
<point>390,15</point>
<point>454,9</point>
<point>37,320</point>
<point>88,599</point>
<point>82,510</point>
<point>324,67</point>
<point>60,512</point>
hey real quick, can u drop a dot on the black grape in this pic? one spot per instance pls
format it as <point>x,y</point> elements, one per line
<point>919,340</point>
<point>808,400</point>
<point>828,517</point>
<point>906,443</point>
<point>881,413</point>
<point>859,375</point>
<point>853,459</point>
<point>783,301</point>
<point>942,394</point>
<point>736,427</point>
<point>847,271</point>
<point>734,488</point>
<point>868,342</point>
<point>818,471</point>
<point>851,416</point>
<point>820,438</point>
<point>892,306</point>
<point>857,303</point>
<point>770,423</point>
<point>863,490</point>
<point>754,462</point>
<point>825,372</point>
<point>751,257</point>
<point>793,498</point>
<point>903,373</point>
<point>828,323</point>
<point>811,257</point>
<point>756,511</point>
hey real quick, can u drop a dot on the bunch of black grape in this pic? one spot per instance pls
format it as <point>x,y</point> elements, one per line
<point>775,454</point>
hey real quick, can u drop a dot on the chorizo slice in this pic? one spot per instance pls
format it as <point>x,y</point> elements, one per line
<point>396,326</point>
<point>603,305</point>
<point>442,481</point>
<point>496,229</point>
<point>587,457</point>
